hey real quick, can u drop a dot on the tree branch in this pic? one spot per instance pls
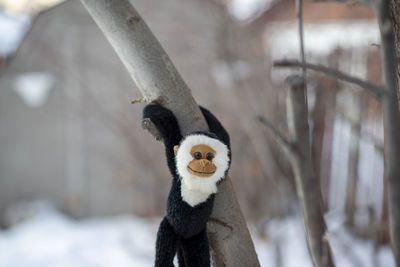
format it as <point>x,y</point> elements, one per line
<point>375,90</point>
<point>299,15</point>
<point>367,3</point>
<point>158,81</point>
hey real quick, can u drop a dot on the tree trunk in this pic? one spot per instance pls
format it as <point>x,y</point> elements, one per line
<point>159,81</point>
<point>391,120</point>
<point>323,117</point>
<point>395,18</point>
<point>307,184</point>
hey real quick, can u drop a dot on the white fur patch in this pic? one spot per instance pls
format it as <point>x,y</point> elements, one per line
<point>193,197</point>
<point>194,189</point>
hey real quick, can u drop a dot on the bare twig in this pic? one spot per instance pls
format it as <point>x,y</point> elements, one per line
<point>375,90</point>
<point>299,15</point>
<point>285,144</point>
<point>157,79</point>
<point>367,3</point>
<point>137,99</point>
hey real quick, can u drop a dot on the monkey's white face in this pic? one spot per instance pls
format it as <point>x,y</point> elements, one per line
<point>197,188</point>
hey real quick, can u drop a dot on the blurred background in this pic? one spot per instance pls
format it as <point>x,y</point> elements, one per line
<point>79,178</point>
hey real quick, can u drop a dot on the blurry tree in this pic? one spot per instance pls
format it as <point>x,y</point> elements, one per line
<point>389,98</point>
<point>298,150</point>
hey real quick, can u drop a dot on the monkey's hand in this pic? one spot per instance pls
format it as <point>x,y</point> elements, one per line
<point>216,127</point>
<point>164,121</point>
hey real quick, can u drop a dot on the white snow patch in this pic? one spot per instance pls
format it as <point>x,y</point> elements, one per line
<point>351,251</point>
<point>247,9</point>
<point>34,87</point>
<point>321,39</point>
<point>285,245</point>
<point>48,238</point>
<point>51,239</point>
<point>12,31</point>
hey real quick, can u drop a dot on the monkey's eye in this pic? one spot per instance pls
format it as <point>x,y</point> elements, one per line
<point>209,156</point>
<point>197,155</point>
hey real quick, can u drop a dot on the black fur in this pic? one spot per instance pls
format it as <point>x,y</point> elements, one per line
<point>183,229</point>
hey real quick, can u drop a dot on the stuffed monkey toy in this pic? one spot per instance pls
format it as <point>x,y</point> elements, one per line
<point>197,162</point>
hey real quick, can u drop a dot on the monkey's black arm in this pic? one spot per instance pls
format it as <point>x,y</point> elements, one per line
<point>167,125</point>
<point>216,127</point>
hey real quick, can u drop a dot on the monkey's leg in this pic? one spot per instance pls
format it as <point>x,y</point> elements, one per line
<point>196,251</point>
<point>166,245</point>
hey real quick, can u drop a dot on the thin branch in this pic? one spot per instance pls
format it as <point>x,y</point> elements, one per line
<point>299,15</point>
<point>285,144</point>
<point>367,3</point>
<point>375,90</point>
<point>137,99</point>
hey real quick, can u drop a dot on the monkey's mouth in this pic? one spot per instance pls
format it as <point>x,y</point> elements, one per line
<point>200,173</point>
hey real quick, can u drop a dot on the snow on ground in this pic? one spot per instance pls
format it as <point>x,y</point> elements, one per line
<point>48,238</point>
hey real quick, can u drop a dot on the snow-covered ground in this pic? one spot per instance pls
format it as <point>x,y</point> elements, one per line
<point>48,238</point>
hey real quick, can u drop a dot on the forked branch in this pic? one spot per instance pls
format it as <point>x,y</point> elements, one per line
<point>377,91</point>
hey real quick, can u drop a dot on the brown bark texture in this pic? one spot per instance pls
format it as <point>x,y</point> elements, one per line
<point>391,120</point>
<point>395,18</point>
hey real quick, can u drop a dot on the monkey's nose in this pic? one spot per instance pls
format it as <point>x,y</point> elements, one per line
<point>204,163</point>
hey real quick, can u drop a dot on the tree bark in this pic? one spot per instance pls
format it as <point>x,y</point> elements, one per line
<point>158,81</point>
<point>391,120</point>
<point>307,184</point>
<point>395,17</point>
<point>323,117</point>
